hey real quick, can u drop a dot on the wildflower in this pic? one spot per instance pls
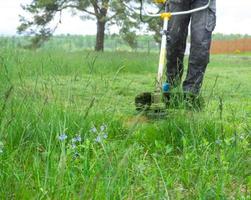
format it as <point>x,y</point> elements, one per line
<point>98,139</point>
<point>76,139</point>
<point>73,146</point>
<point>93,129</point>
<point>103,127</point>
<point>62,137</point>
<point>105,136</point>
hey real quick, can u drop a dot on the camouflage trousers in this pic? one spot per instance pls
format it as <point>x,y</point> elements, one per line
<point>202,26</point>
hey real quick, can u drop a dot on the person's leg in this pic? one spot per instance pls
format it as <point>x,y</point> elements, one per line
<point>202,25</point>
<point>178,30</point>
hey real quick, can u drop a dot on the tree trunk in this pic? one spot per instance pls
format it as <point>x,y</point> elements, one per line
<point>100,36</point>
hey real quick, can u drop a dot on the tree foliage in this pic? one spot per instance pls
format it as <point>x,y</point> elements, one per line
<point>45,16</point>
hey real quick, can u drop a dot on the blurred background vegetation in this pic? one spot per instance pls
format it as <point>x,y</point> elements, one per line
<point>144,43</point>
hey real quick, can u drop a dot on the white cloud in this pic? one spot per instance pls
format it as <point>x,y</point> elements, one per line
<point>232,17</point>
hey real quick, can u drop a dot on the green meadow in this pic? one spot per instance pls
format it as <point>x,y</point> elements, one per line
<point>69,129</point>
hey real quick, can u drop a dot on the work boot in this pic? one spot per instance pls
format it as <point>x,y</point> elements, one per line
<point>194,102</point>
<point>143,101</point>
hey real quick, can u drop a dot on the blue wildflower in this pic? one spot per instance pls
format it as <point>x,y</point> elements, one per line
<point>105,136</point>
<point>94,129</point>
<point>98,139</point>
<point>73,146</point>
<point>103,127</point>
<point>78,138</point>
<point>62,137</point>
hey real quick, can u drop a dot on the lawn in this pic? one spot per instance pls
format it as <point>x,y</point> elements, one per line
<point>69,129</point>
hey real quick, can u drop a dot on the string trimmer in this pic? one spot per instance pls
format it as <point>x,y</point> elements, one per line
<point>154,102</point>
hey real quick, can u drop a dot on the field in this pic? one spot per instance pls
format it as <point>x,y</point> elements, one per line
<point>69,130</point>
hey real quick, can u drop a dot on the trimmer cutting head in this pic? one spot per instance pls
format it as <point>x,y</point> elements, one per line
<point>151,104</point>
<point>143,101</point>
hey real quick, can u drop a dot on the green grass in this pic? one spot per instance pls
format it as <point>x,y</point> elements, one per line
<point>188,155</point>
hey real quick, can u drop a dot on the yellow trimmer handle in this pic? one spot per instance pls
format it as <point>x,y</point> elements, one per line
<point>160,1</point>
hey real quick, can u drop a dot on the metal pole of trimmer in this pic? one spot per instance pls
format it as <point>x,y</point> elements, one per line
<point>157,97</point>
<point>162,57</point>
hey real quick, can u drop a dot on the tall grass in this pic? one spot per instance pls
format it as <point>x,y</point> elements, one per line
<point>68,130</point>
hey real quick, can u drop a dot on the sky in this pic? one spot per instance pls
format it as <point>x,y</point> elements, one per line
<point>232,17</point>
